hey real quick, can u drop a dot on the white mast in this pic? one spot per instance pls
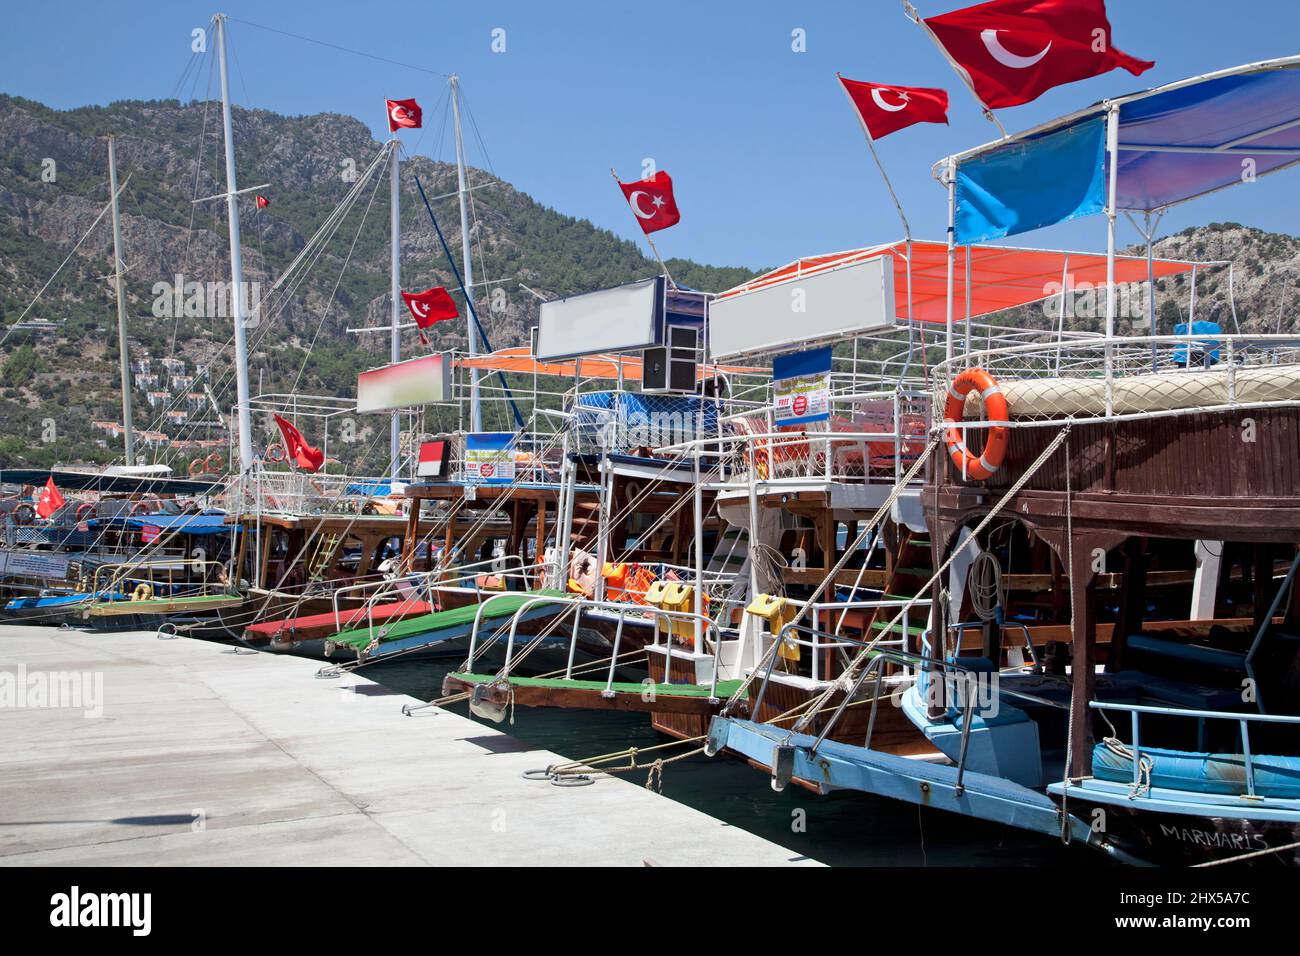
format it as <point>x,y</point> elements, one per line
<point>475,411</point>
<point>395,214</point>
<point>236,297</point>
<point>128,432</point>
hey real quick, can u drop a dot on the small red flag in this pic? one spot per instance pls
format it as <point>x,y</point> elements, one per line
<point>403,113</point>
<point>1014,51</point>
<point>305,456</point>
<point>887,109</point>
<point>652,201</point>
<point>430,306</point>
<point>50,500</point>
<point>263,202</point>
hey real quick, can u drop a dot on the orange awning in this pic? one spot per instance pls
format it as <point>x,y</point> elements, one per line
<point>519,359</point>
<point>1001,277</point>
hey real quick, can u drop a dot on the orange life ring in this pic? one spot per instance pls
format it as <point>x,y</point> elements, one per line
<point>214,463</point>
<point>276,453</point>
<point>995,409</point>
<point>196,467</point>
<point>761,458</point>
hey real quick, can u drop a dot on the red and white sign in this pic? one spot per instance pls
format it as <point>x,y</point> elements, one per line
<point>799,405</point>
<point>433,457</point>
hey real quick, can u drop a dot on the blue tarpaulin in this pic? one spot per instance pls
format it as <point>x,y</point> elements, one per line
<point>1028,185</point>
<point>1175,143</point>
<point>211,523</point>
<point>374,489</point>
<point>1205,351</point>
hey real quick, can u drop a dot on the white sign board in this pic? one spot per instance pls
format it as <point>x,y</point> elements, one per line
<point>405,384</point>
<point>829,305</point>
<point>611,320</point>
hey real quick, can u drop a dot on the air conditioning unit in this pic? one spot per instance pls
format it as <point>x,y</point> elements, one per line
<point>671,368</point>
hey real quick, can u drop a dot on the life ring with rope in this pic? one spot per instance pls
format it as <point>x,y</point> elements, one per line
<point>214,464</point>
<point>142,506</point>
<point>196,467</point>
<point>997,437</point>
<point>275,452</point>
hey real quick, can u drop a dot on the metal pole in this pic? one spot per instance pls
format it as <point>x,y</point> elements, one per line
<point>236,296</point>
<point>395,350</point>
<point>1112,157</point>
<point>952,252</point>
<point>699,542</point>
<point>475,411</point>
<point>128,432</point>
<point>1150,229</point>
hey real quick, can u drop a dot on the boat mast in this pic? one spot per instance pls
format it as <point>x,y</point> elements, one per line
<point>236,297</point>
<point>475,410</point>
<point>128,432</point>
<point>395,353</point>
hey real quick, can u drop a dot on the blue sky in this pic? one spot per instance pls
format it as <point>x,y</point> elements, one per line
<point>768,161</point>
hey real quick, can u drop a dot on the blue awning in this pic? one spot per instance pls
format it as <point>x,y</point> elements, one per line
<point>210,523</point>
<point>1176,142</point>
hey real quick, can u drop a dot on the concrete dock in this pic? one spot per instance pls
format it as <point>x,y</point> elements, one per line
<point>188,754</point>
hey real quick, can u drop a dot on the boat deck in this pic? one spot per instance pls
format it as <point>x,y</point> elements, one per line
<point>599,694</point>
<point>311,626</point>
<point>204,757</point>
<point>442,625</point>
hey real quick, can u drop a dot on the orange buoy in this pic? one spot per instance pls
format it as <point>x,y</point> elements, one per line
<point>995,409</point>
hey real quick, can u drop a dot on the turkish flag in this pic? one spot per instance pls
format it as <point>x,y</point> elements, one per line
<point>263,202</point>
<point>403,113</point>
<point>305,456</point>
<point>652,201</point>
<point>50,500</point>
<point>1016,50</point>
<point>887,109</point>
<point>430,306</point>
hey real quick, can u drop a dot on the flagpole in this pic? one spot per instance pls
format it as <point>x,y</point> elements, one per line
<point>243,406</point>
<point>395,341</point>
<point>911,13</point>
<point>475,405</point>
<point>128,430</point>
<point>653,247</point>
<point>907,229</point>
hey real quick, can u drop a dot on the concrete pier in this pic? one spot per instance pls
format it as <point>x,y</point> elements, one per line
<point>198,756</point>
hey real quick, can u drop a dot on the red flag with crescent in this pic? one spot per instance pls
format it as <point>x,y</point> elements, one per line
<point>305,456</point>
<point>403,114</point>
<point>262,202</point>
<point>50,500</point>
<point>429,307</point>
<point>887,109</point>
<point>1014,51</point>
<point>652,202</point>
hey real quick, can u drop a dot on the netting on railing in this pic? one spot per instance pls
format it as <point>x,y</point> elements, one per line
<point>1147,377</point>
<point>628,421</point>
<point>301,493</point>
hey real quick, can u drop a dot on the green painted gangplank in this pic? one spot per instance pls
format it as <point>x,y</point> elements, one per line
<point>442,626</point>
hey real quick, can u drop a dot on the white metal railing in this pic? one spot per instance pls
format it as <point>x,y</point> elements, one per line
<point>702,625</point>
<point>1243,721</point>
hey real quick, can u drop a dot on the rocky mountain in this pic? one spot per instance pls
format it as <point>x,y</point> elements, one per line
<point>58,357</point>
<point>56,379</point>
